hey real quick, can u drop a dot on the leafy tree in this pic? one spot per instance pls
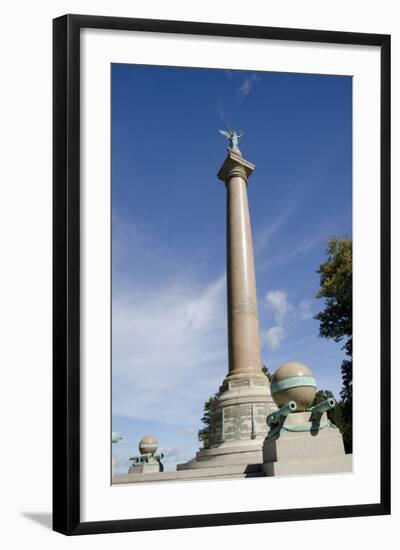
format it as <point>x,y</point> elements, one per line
<point>336,321</point>
<point>321,395</point>
<point>333,414</point>
<point>204,434</point>
<point>267,373</point>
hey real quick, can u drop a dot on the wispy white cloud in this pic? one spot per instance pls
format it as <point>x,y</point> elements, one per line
<point>277,301</point>
<point>286,257</point>
<point>222,113</point>
<point>169,350</point>
<point>283,312</point>
<point>248,84</point>
<point>304,310</point>
<point>168,334</point>
<point>273,337</point>
<point>263,236</point>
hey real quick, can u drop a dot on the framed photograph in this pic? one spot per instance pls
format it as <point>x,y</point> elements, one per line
<point>221,274</point>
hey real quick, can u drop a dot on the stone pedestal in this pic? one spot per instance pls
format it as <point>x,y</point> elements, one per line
<point>147,462</point>
<point>319,450</point>
<point>238,426</point>
<point>150,467</point>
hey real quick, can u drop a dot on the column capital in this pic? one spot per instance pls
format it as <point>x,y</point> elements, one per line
<point>233,165</point>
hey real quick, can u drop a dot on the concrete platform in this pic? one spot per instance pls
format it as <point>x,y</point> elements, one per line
<point>319,451</point>
<point>235,471</point>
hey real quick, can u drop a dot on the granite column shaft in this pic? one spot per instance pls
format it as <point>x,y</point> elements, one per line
<point>243,324</point>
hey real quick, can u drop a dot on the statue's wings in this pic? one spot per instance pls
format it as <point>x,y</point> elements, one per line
<point>229,128</point>
<point>225,133</point>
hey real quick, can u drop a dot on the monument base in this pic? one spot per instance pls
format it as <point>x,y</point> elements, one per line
<point>237,427</point>
<point>233,471</point>
<point>296,450</point>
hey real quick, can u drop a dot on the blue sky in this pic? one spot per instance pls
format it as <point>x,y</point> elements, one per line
<point>168,255</point>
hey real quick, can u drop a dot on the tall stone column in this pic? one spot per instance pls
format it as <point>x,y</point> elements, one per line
<point>239,411</point>
<point>243,326</point>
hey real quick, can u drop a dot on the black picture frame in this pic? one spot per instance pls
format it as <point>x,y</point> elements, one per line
<point>66,274</point>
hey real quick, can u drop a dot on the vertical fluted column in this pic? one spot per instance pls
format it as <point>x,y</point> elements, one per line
<point>243,325</point>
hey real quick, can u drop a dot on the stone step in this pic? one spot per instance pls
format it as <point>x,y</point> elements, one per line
<point>234,471</point>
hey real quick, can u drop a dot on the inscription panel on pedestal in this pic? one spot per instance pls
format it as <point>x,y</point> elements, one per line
<point>258,383</point>
<point>239,383</point>
<point>237,421</point>
<point>260,412</point>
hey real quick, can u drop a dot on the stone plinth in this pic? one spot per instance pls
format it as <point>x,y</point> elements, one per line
<point>149,467</point>
<point>147,462</point>
<point>324,465</point>
<point>316,451</point>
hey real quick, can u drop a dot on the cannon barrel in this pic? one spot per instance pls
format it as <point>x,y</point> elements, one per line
<point>284,411</point>
<point>323,406</point>
<point>142,457</point>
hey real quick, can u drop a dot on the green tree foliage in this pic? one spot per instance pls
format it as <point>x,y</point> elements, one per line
<point>336,287</point>
<point>267,372</point>
<point>334,414</point>
<point>321,395</point>
<point>203,435</point>
<point>336,322</point>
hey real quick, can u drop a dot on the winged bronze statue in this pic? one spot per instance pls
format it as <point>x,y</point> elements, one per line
<point>232,136</point>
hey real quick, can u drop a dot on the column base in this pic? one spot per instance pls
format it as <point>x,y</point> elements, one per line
<point>238,423</point>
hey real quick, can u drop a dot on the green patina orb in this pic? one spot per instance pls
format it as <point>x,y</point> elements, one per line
<point>148,444</point>
<point>293,382</point>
